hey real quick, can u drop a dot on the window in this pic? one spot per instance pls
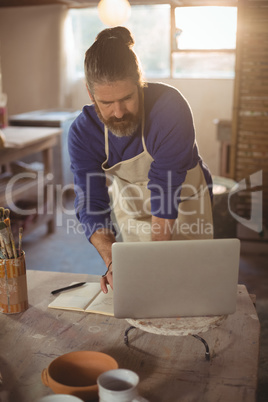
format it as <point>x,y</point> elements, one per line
<point>84,27</point>
<point>202,43</point>
<point>205,41</point>
<point>206,27</point>
<point>152,40</point>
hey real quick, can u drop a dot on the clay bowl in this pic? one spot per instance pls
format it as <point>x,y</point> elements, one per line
<point>76,373</point>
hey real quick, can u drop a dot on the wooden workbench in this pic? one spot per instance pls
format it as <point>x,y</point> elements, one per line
<point>171,368</point>
<point>21,142</point>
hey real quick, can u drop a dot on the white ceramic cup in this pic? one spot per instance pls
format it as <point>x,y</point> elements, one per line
<point>119,385</point>
<point>60,398</point>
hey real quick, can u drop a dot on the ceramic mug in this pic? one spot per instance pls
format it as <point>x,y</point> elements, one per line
<point>60,398</point>
<point>119,385</point>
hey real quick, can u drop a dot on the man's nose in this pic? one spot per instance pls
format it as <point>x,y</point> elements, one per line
<point>119,110</point>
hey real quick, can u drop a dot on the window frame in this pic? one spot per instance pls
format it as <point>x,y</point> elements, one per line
<point>173,45</point>
<point>173,49</point>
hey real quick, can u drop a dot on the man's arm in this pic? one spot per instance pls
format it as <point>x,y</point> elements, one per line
<point>162,228</point>
<point>102,240</point>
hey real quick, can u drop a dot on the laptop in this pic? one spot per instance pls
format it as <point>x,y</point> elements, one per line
<point>181,278</point>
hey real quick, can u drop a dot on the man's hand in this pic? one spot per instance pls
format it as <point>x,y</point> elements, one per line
<point>102,240</point>
<point>107,279</point>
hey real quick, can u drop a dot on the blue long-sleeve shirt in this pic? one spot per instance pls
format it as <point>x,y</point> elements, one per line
<point>169,137</point>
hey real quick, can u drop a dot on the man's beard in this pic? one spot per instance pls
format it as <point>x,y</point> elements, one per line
<point>124,127</point>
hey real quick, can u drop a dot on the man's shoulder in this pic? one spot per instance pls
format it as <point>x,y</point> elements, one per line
<point>87,114</point>
<point>87,120</point>
<point>160,90</point>
<point>160,97</point>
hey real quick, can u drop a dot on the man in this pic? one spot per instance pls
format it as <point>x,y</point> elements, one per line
<point>139,137</point>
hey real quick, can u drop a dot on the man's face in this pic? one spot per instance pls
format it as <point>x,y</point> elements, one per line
<point>118,106</point>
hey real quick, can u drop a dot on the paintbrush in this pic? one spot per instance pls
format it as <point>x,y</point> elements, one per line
<point>2,257</point>
<point>20,240</point>
<point>3,249</point>
<point>8,225</point>
<point>2,243</point>
<point>2,246</point>
<point>2,213</point>
<point>5,236</point>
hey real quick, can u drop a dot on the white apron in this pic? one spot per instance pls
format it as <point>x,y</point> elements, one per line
<point>131,203</point>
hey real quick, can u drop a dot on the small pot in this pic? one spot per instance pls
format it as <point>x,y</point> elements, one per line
<point>76,373</point>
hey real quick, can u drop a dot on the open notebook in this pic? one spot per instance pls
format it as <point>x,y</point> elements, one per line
<point>88,298</point>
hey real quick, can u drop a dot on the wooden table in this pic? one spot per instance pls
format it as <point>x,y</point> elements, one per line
<point>21,142</point>
<point>171,368</point>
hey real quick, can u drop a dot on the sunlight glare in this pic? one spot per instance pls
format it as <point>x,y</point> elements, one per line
<point>206,27</point>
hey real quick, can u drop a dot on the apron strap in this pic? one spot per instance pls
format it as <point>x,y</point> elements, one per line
<point>106,143</point>
<point>143,122</point>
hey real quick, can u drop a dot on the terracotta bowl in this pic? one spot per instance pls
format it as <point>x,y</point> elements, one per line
<point>76,373</point>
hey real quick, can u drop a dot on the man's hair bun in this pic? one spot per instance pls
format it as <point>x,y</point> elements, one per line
<point>117,33</point>
<point>112,58</point>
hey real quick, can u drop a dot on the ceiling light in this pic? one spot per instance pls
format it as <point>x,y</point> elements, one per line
<point>114,12</point>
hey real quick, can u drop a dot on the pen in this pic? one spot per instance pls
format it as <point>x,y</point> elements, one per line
<point>76,285</point>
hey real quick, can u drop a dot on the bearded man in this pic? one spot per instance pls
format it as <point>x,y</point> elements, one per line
<point>133,152</point>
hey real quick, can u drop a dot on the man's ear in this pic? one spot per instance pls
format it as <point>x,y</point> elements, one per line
<point>90,94</point>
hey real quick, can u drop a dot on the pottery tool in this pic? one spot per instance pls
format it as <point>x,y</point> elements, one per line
<point>20,241</point>
<point>8,225</point>
<point>5,236</point>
